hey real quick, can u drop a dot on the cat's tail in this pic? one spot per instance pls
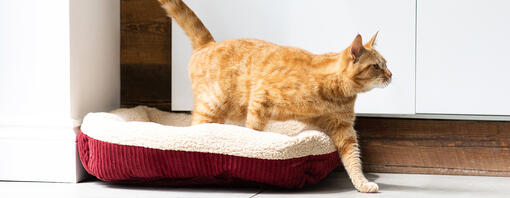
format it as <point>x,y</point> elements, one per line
<point>189,22</point>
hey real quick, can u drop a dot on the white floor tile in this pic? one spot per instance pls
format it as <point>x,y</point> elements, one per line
<point>404,186</point>
<point>98,189</point>
<point>336,185</point>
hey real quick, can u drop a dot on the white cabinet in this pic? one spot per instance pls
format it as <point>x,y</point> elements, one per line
<point>34,62</point>
<point>58,61</point>
<point>462,48</point>
<point>318,26</point>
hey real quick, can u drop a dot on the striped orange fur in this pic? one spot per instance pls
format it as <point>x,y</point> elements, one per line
<point>256,81</point>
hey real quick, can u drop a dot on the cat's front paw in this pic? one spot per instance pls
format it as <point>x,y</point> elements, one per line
<point>368,187</point>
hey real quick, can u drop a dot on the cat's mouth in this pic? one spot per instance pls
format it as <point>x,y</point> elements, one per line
<point>384,83</point>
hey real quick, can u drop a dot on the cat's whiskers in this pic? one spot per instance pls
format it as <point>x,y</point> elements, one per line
<point>384,83</point>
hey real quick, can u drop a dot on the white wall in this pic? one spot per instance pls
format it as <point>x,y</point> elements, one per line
<point>95,56</point>
<point>318,26</point>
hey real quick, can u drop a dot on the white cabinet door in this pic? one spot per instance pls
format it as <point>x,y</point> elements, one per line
<point>462,48</point>
<point>318,26</point>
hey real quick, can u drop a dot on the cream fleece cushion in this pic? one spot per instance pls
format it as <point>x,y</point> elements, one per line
<point>151,128</point>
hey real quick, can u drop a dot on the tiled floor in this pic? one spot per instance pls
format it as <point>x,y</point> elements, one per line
<point>336,185</point>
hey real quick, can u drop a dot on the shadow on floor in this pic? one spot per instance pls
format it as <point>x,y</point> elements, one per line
<point>334,183</point>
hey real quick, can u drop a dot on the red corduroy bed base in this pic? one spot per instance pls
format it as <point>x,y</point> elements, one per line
<point>122,163</point>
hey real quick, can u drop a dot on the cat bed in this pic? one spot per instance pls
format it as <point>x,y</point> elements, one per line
<point>145,145</point>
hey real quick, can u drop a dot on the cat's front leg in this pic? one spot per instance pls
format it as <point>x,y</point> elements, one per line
<point>347,143</point>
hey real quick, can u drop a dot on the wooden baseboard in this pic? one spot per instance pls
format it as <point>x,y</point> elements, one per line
<point>435,146</point>
<point>375,168</point>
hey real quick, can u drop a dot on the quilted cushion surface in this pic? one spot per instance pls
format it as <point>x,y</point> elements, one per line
<point>145,145</point>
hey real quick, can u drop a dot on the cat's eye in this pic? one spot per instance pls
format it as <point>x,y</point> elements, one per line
<point>376,66</point>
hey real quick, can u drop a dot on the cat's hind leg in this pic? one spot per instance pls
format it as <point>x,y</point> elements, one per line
<point>208,110</point>
<point>257,114</point>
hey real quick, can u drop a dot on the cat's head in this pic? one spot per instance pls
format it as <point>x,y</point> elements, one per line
<point>364,65</point>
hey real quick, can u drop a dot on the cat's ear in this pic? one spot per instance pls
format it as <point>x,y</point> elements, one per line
<point>356,48</point>
<point>371,43</point>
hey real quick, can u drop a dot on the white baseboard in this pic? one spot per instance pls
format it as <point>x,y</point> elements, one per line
<point>47,154</point>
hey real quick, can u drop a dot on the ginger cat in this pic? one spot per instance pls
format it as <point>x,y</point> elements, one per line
<point>258,80</point>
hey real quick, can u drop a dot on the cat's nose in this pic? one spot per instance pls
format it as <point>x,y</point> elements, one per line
<point>389,74</point>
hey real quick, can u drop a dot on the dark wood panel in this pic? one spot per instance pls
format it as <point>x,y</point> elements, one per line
<point>145,54</point>
<point>148,86</point>
<point>140,47</point>
<point>145,31</point>
<point>142,11</point>
<point>435,146</point>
